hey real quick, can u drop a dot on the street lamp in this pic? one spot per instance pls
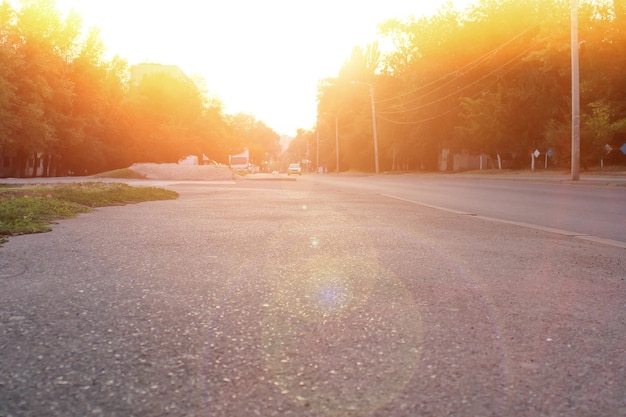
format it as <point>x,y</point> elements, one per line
<point>373,121</point>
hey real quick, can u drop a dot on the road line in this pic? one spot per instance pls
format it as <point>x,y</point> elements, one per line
<point>609,242</point>
<point>462,213</point>
<point>577,235</point>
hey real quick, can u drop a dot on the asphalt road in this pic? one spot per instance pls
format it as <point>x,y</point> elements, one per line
<point>591,209</point>
<point>308,299</point>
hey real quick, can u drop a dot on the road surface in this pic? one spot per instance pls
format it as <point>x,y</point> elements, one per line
<point>305,298</point>
<point>575,209</point>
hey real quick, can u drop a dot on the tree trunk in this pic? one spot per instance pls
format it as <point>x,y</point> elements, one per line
<point>54,166</point>
<point>46,165</point>
<point>20,164</point>
<point>60,168</point>
<point>35,164</point>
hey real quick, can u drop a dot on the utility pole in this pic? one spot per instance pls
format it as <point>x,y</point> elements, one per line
<point>317,152</point>
<point>337,142</point>
<point>375,130</point>
<point>575,95</point>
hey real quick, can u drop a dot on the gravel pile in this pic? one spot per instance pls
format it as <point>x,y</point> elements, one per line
<point>183,172</point>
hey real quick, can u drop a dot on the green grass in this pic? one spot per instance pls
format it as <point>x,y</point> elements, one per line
<point>125,173</point>
<point>32,208</point>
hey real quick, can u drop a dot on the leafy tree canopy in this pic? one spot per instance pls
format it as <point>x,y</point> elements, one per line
<point>492,79</point>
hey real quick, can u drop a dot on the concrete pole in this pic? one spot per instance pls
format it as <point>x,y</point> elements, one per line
<point>317,153</point>
<point>575,95</point>
<point>373,122</point>
<point>374,128</point>
<point>337,143</point>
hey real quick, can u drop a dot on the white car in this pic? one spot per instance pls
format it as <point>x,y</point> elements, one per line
<point>294,169</point>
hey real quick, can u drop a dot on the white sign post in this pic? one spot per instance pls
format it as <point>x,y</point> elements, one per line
<point>532,159</point>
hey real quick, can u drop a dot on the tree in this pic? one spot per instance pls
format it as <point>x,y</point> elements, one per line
<point>65,108</point>
<point>40,42</point>
<point>348,99</point>
<point>300,147</point>
<point>252,134</point>
<point>495,78</point>
<point>9,120</point>
<point>163,109</point>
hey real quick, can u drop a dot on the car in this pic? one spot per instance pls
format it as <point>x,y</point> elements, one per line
<point>294,169</point>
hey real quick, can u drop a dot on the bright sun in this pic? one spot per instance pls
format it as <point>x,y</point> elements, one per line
<point>263,58</point>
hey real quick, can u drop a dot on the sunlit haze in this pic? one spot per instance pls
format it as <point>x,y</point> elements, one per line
<point>259,57</point>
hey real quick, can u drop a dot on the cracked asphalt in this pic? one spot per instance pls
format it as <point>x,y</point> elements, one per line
<point>299,299</point>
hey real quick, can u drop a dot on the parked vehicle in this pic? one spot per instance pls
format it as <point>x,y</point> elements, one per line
<point>294,169</point>
<point>240,162</point>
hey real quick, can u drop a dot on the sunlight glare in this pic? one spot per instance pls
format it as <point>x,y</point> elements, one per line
<point>262,58</point>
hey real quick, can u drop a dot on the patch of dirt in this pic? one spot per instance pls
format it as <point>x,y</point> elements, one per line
<point>183,172</point>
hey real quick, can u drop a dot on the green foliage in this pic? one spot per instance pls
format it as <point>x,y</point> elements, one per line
<point>63,103</point>
<point>298,147</point>
<point>30,209</point>
<point>262,142</point>
<point>31,214</point>
<point>493,79</point>
<point>105,194</point>
<point>125,173</point>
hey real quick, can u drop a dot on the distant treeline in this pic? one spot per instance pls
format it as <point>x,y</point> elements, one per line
<point>65,109</point>
<point>493,80</point>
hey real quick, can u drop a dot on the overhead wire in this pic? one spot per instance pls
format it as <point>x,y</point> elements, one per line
<point>467,86</point>
<point>461,71</point>
<point>450,110</point>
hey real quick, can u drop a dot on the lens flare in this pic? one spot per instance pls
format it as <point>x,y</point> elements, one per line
<point>343,336</point>
<point>314,243</point>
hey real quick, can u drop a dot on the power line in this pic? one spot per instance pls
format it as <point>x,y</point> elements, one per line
<point>523,53</point>
<point>450,110</point>
<point>458,73</point>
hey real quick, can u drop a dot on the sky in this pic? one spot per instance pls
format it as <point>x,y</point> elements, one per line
<point>262,57</point>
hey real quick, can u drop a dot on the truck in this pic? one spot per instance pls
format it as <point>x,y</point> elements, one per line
<point>240,161</point>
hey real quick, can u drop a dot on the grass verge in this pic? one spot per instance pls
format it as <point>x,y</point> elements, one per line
<point>32,208</point>
<point>125,173</point>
